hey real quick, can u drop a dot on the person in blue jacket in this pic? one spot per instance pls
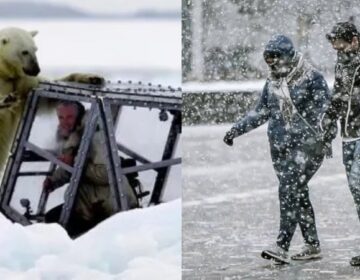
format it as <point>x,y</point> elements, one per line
<point>293,102</point>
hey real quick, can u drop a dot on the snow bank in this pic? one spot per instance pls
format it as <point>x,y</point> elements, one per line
<point>139,244</point>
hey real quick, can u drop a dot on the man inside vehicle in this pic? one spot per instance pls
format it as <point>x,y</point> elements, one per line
<point>93,203</point>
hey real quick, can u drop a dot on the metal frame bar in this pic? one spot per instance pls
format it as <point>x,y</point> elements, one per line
<point>116,178</point>
<point>15,147</point>
<point>44,194</point>
<point>127,99</point>
<point>42,202</point>
<point>30,156</point>
<point>49,156</point>
<point>152,166</point>
<point>116,113</point>
<point>103,103</point>
<point>86,139</point>
<point>137,89</point>
<point>132,154</point>
<point>15,215</point>
<point>156,98</point>
<point>160,104</point>
<point>62,95</point>
<point>33,173</point>
<point>14,166</point>
<point>170,146</point>
<point>110,169</point>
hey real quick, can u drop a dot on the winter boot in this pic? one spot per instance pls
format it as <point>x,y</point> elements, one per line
<point>308,252</point>
<point>355,261</point>
<point>278,255</point>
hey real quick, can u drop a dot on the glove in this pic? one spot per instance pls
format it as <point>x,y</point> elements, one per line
<point>229,137</point>
<point>68,159</point>
<point>48,185</point>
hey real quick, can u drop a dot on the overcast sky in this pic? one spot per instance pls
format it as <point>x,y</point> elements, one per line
<point>114,6</point>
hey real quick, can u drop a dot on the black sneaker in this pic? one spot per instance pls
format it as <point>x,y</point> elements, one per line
<point>355,261</point>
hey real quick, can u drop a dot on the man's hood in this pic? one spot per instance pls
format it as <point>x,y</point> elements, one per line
<point>281,45</point>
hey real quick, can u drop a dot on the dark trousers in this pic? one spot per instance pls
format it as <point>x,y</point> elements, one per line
<point>294,168</point>
<point>76,225</point>
<point>351,159</point>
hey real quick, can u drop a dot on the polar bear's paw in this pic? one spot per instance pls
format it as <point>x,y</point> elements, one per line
<point>92,79</point>
<point>7,101</point>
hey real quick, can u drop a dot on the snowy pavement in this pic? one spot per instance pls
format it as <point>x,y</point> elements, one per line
<point>231,211</point>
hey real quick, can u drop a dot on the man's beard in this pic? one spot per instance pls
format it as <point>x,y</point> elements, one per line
<point>64,132</point>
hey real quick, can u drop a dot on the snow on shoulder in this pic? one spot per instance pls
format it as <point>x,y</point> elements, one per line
<point>138,244</point>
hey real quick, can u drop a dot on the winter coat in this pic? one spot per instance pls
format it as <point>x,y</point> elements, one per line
<point>300,127</point>
<point>94,195</point>
<point>345,103</point>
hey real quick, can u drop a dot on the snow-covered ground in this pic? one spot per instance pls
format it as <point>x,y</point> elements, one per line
<point>231,211</point>
<point>140,244</point>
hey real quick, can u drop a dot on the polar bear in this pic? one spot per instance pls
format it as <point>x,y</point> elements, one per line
<point>19,71</point>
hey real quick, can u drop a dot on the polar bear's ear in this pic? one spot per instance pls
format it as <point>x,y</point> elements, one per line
<point>33,33</point>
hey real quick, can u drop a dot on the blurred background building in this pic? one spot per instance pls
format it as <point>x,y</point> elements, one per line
<point>224,40</point>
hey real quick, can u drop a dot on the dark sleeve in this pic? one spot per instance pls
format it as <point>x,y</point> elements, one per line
<point>321,93</point>
<point>324,103</point>
<point>256,117</point>
<point>60,177</point>
<point>357,78</point>
<point>334,107</point>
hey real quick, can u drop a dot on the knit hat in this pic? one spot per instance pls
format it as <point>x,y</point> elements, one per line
<point>343,30</point>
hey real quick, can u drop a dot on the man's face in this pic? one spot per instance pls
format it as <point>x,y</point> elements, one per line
<point>67,115</point>
<point>278,65</point>
<point>341,45</point>
<point>271,61</point>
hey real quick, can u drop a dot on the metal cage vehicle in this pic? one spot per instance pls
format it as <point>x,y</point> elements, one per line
<point>104,109</point>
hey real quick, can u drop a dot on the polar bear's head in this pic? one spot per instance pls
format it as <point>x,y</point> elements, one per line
<point>18,52</point>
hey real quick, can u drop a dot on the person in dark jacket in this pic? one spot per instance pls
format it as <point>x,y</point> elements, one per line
<point>293,100</point>
<point>345,105</point>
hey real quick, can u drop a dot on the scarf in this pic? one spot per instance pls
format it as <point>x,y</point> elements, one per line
<point>280,88</point>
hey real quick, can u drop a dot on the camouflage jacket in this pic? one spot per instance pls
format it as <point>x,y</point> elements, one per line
<point>94,182</point>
